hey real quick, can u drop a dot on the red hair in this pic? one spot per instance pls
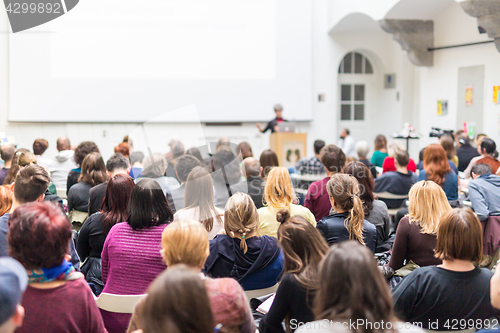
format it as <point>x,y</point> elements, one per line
<point>115,203</point>
<point>6,196</point>
<point>39,235</point>
<point>436,163</point>
<point>123,149</point>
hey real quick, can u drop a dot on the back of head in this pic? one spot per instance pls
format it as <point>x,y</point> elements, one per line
<point>380,142</point>
<point>63,143</point>
<point>40,146</point>
<point>240,218</point>
<point>225,159</point>
<point>177,302</point>
<point>449,146</point>
<point>185,164</point>
<point>196,153</point>
<point>303,247</point>
<point>366,183</point>
<point>245,149</point>
<point>392,147</point>
<point>489,147</point>
<point>251,166</point>
<point>136,157</point>
<point>352,287</point>
<point>402,157</point>
<point>362,149</point>
<point>26,158</point>
<point>6,197</point>
<point>22,158</point>
<point>318,145</point>
<point>123,148</point>
<point>185,242</point>
<point>344,190</point>
<point>39,235</point>
<point>279,189</point>
<point>148,205</point>
<point>268,160</point>
<point>116,199</point>
<point>460,236</point>
<point>154,166</point>
<point>333,158</point>
<point>464,139</point>
<point>428,203</point>
<point>481,169</point>
<point>83,150</point>
<point>31,182</point>
<point>117,162</point>
<point>93,170</point>
<point>223,144</point>
<point>7,152</point>
<point>436,163</point>
<point>177,149</point>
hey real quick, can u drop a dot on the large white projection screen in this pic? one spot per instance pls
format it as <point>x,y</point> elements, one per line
<point>131,61</point>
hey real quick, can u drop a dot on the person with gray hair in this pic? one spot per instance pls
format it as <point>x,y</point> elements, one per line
<point>185,164</point>
<point>362,149</point>
<point>273,124</point>
<point>484,192</point>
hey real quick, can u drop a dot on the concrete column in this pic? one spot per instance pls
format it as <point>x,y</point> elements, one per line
<point>487,13</point>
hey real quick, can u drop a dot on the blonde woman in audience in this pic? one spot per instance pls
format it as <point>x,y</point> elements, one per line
<point>348,222</point>
<point>186,242</point>
<point>416,232</point>
<point>303,248</point>
<point>199,202</point>
<point>255,262</point>
<point>389,165</point>
<point>351,289</point>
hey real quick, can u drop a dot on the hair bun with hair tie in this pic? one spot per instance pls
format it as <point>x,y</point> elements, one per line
<point>283,215</point>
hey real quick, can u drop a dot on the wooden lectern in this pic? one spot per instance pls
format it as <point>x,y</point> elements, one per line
<point>290,147</point>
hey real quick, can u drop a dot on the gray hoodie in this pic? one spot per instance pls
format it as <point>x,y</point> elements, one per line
<point>484,194</point>
<point>60,167</point>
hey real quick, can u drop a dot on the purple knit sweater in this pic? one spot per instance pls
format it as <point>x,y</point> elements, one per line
<point>131,260</point>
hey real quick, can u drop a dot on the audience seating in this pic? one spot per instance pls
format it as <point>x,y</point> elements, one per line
<point>261,292</point>
<point>118,303</point>
<point>387,195</point>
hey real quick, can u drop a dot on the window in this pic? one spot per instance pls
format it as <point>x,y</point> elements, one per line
<point>352,102</point>
<point>355,63</point>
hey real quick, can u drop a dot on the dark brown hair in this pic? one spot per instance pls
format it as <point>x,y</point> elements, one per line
<point>268,160</point>
<point>31,182</point>
<point>245,149</point>
<point>366,183</point>
<point>83,150</point>
<point>177,302</point>
<point>449,146</point>
<point>93,170</point>
<point>352,288</point>
<point>333,158</point>
<point>460,236</point>
<point>22,158</point>
<point>40,146</point>
<point>115,202</point>
<point>380,142</point>
<point>436,163</point>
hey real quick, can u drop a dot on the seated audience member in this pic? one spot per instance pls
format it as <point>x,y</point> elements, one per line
<point>416,232</point>
<point>95,229</point>
<point>448,144</point>
<point>176,150</point>
<point>6,198</point>
<point>244,149</point>
<point>62,164</point>
<point>186,242</point>
<point>123,149</point>
<point>7,152</point>
<point>375,210</point>
<point>131,257</point>
<point>136,159</point>
<point>396,182</point>
<point>196,153</point>
<point>312,165</point>
<point>437,169</point>
<point>22,158</point>
<point>489,156</point>
<point>479,139</point>
<point>456,290</point>
<point>117,164</point>
<point>81,152</point>
<point>178,302</point>
<point>279,194</point>
<point>268,160</point>
<point>57,299</point>
<point>13,283</point>
<point>39,147</point>
<point>347,143</point>
<point>484,192</point>
<point>351,289</point>
<point>185,164</point>
<point>465,152</point>
<point>317,199</point>
<point>303,248</point>
<point>199,202</point>
<point>380,152</point>
<point>226,175</point>
<point>93,173</point>
<point>255,262</point>
<point>254,184</point>
<point>389,162</point>
<point>362,150</point>
<point>348,222</point>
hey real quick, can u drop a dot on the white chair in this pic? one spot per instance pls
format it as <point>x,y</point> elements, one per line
<point>61,192</point>
<point>261,292</point>
<point>118,303</point>
<point>387,195</point>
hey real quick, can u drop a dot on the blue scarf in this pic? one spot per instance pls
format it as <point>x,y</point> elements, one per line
<point>65,272</point>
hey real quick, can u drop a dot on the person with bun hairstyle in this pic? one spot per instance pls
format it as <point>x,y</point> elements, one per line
<point>348,222</point>
<point>303,248</point>
<point>353,289</point>
<point>254,261</point>
<point>489,155</point>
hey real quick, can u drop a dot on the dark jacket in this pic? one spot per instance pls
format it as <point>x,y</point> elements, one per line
<point>465,153</point>
<point>372,167</point>
<point>256,190</point>
<point>334,231</point>
<point>271,125</point>
<point>72,178</point>
<point>89,246</point>
<point>96,196</point>
<point>78,197</point>
<point>396,183</point>
<point>260,267</point>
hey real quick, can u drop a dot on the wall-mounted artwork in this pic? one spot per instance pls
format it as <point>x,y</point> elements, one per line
<point>469,94</point>
<point>442,107</point>
<point>496,92</point>
<point>389,81</point>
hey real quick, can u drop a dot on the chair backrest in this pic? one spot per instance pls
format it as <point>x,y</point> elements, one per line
<point>261,292</point>
<point>118,303</point>
<point>307,177</point>
<point>387,195</point>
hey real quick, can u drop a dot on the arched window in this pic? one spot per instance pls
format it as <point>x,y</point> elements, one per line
<point>355,63</point>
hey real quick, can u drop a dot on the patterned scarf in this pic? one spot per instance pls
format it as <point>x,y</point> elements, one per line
<point>64,272</point>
